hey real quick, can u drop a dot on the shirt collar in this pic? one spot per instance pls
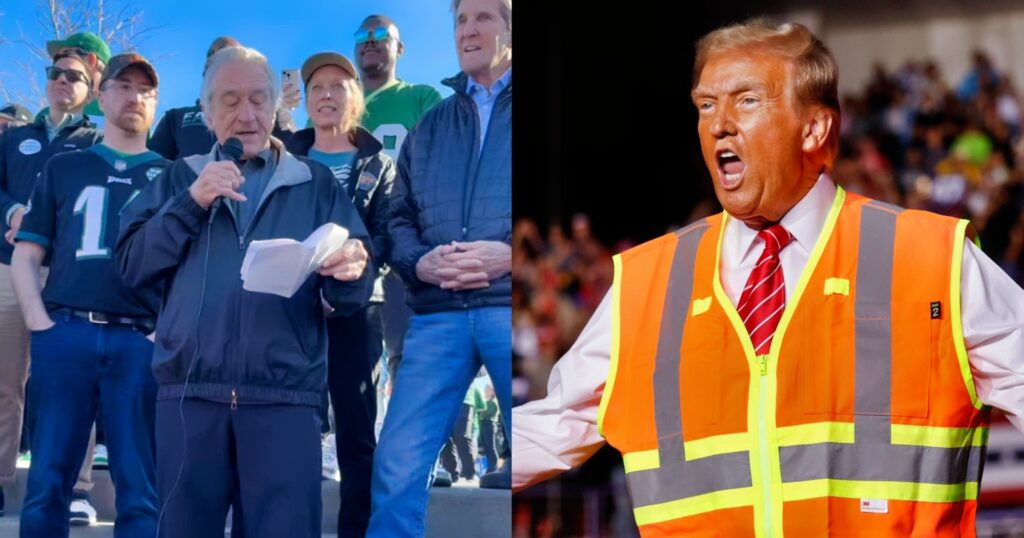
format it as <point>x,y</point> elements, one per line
<point>804,221</point>
<point>266,156</point>
<point>473,86</point>
<point>69,119</point>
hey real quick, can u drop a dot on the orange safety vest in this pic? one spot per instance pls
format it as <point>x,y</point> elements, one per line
<point>862,420</point>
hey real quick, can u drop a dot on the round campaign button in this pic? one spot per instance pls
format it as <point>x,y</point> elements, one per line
<point>29,147</point>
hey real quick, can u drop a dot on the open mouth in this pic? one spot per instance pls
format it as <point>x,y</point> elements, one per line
<point>730,168</point>
<point>327,109</point>
<point>470,48</point>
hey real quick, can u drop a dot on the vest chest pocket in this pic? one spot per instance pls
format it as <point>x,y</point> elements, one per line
<point>704,378</point>
<point>916,328</point>
<point>823,372</point>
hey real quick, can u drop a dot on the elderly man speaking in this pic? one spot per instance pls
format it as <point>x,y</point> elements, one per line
<point>240,373</point>
<point>807,363</point>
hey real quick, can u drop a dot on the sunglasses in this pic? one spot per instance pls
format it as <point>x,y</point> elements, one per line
<point>70,75</point>
<point>378,34</point>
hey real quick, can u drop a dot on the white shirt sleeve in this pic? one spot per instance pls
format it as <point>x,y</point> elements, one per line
<point>993,322</point>
<point>559,432</point>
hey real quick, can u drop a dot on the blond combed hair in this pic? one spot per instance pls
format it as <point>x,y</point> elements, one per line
<point>816,74</point>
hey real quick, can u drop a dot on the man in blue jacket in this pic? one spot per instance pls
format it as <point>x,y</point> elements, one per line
<point>240,374</point>
<point>451,230</point>
<point>23,152</point>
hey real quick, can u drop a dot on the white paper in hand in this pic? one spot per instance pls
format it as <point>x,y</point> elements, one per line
<point>280,266</point>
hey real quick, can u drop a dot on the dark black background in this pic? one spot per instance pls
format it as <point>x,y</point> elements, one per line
<point>603,122</point>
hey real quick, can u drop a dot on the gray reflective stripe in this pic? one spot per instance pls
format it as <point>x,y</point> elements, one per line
<point>667,415</point>
<point>899,463</point>
<point>677,478</point>
<point>682,479</point>
<point>873,325</point>
<point>872,456</point>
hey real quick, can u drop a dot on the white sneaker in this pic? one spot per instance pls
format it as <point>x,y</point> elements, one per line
<point>82,513</point>
<point>99,457</point>
<point>329,459</point>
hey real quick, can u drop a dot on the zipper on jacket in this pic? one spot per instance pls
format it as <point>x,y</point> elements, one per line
<point>234,399</point>
<point>766,488</point>
<point>470,188</point>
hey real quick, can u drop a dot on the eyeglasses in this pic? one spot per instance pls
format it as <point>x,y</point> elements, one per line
<point>378,34</point>
<point>127,88</point>
<point>72,76</point>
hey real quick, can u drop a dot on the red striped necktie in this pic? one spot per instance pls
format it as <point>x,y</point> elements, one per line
<point>764,297</point>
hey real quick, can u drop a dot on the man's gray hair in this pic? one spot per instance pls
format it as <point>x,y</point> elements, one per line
<point>228,55</point>
<point>505,8</point>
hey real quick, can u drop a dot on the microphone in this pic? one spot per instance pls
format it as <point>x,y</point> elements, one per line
<point>231,150</point>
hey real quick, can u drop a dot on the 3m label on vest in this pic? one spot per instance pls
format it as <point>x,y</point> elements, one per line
<point>874,506</point>
<point>936,310</point>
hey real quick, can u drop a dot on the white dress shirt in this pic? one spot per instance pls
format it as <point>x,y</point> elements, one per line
<point>559,432</point>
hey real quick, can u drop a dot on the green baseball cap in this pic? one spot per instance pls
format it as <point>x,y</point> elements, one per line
<point>87,41</point>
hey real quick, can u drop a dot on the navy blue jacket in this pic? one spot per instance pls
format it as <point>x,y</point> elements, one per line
<point>23,152</point>
<point>448,190</point>
<point>246,347</point>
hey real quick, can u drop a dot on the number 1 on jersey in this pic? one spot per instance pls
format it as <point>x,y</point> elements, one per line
<point>92,201</point>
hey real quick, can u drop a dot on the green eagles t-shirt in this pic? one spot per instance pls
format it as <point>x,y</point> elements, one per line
<point>393,110</point>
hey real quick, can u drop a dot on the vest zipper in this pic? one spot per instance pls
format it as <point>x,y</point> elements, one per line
<point>766,487</point>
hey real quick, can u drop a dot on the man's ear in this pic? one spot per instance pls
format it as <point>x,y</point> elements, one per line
<point>817,129</point>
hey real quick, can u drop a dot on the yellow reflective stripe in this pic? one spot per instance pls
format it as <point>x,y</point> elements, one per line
<point>613,365</point>
<point>718,444</point>
<point>756,480</point>
<point>954,314</point>
<point>753,410</point>
<point>818,432</point>
<point>805,276</point>
<point>906,434</point>
<point>897,491</point>
<point>690,506</point>
<point>837,286</point>
<point>641,461</point>
<point>776,347</point>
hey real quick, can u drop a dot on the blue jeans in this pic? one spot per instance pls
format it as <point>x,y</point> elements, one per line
<point>79,368</point>
<point>443,352</point>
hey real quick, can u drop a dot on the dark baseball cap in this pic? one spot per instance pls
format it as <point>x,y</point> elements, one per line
<point>16,112</point>
<point>121,62</point>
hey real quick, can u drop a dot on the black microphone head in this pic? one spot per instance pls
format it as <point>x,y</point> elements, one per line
<point>232,149</point>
